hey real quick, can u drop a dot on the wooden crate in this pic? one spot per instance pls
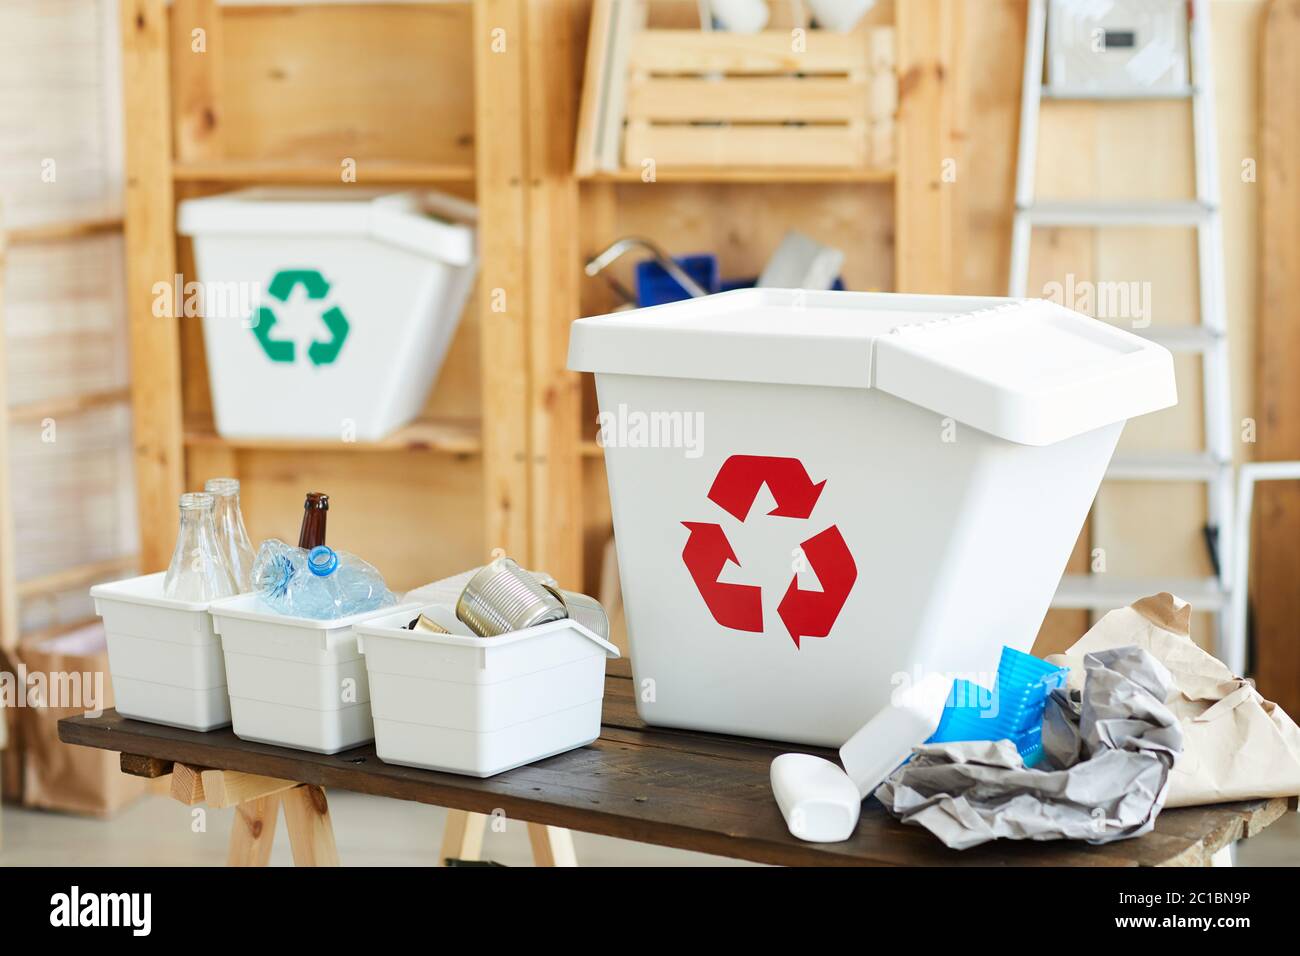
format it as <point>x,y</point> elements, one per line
<point>785,99</point>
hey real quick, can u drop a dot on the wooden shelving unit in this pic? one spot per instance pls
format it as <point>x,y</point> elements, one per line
<point>481,99</point>
<point>895,224</point>
<point>223,97</point>
<point>13,592</point>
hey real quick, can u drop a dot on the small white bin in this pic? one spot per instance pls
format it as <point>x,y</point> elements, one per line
<point>477,705</point>
<point>819,495</point>
<point>165,658</point>
<point>294,681</point>
<point>327,312</point>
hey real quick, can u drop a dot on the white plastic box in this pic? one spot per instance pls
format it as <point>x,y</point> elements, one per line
<point>866,487</point>
<point>477,705</point>
<point>278,267</point>
<point>1119,45</point>
<point>294,681</point>
<point>164,657</point>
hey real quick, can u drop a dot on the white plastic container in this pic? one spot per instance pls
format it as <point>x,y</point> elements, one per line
<point>912,471</point>
<point>396,267</point>
<point>164,657</point>
<point>294,681</point>
<point>476,705</point>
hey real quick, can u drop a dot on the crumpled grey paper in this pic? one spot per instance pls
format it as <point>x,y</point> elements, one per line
<point>1108,755</point>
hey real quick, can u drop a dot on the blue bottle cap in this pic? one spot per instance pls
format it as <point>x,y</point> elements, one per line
<point>322,561</point>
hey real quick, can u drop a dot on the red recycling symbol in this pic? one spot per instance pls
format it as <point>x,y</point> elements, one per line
<point>707,551</point>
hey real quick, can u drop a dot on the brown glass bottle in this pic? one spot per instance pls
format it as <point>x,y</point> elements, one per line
<point>314,512</point>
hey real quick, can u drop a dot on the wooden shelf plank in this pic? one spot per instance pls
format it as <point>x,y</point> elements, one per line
<point>444,436</point>
<point>68,405</point>
<point>76,577</point>
<point>723,175</point>
<point>65,229</point>
<point>319,173</point>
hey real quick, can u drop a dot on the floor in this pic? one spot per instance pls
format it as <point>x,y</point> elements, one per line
<point>372,831</point>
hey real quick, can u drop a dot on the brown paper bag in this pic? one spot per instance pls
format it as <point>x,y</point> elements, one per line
<point>1236,745</point>
<point>59,776</point>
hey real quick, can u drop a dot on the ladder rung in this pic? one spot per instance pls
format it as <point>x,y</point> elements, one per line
<point>1134,93</point>
<point>1182,212</point>
<point>1165,466</point>
<point>1182,338</point>
<point>1105,592</point>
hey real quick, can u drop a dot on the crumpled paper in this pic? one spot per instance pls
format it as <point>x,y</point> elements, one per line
<point>1109,750</point>
<point>1237,745</point>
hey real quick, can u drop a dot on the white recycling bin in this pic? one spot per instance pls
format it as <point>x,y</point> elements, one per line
<point>165,658</point>
<point>327,313</point>
<point>820,496</point>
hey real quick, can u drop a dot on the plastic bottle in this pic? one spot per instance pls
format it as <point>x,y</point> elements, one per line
<point>199,570</point>
<point>322,584</point>
<point>232,536</point>
<point>314,512</point>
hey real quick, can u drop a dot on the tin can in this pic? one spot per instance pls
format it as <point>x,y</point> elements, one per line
<point>427,624</point>
<point>503,597</point>
<point>585,610</point>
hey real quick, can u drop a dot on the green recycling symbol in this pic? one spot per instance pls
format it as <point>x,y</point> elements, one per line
<point>283,350</point>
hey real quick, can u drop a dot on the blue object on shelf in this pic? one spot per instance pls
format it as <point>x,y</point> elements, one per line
<point>729,284</point>
<point>654,286</point>
<point>1013,710</point>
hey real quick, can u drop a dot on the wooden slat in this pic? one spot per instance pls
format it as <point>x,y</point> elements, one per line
<point>64,230</point>
<point>151,258</point>
<point>150,768</point>
<point>695,52</point>
<point>724,175</point>
<point>78,576</point>
<point>555,401</point>
<point>287,172</point>
<point>196,79</point>
<point>927,32</point>
<point>745,145</point>
<point>499,98</point>
<point>8,580</point>
<point>763,99</point>
<point>1275,568</point>
<point>187,783</point>
<point>593,104</point>
<point>69,405</point>
<point>447,436</point>
<point>228,788</point>
<point>694,791</point>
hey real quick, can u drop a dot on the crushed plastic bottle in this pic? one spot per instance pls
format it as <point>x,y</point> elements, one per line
<point>321,584</point>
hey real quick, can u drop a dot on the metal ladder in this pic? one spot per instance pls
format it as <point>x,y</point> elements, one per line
<point>1213,465</point>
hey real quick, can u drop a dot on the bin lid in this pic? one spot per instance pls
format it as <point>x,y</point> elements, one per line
<point>1027,370</point>
<point>424,222</point>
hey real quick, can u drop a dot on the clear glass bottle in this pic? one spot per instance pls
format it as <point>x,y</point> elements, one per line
<point>232,536</point>
<point>199,570</point>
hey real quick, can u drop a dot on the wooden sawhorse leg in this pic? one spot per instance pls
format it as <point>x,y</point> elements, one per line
<point>552,846</point>
<point>253,831</point>
<point>462,839</point>
<point>462,836</point>
<point>256,801</point>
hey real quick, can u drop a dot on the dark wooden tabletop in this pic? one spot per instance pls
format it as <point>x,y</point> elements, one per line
<point>694,791</point>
